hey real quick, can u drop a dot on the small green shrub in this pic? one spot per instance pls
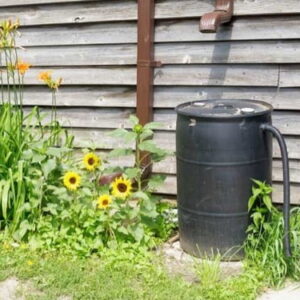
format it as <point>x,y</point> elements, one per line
<point>84,213</point>
<point>264,245</point>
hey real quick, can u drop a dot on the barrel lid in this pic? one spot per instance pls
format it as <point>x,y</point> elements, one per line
<point>224,108</point>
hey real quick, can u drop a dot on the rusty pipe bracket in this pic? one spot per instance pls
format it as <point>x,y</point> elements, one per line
<point>223,13</point>
<point>148,63</point>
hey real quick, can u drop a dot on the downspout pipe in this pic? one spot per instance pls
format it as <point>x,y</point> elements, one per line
<point>223,13</point>
<point>145,70</point>
<point>145,60</point>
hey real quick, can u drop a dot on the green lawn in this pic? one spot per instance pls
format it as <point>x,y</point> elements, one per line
<point>118,274</point>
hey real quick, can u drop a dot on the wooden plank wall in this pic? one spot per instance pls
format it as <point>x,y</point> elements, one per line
<point>92,45</point>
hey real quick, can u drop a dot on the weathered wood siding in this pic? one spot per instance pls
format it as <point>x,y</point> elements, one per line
<point>92,45</point>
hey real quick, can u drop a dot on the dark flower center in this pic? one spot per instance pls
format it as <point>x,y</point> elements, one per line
<point>105,202</point>
<point>73,180</point>
<point>122,187</point>
<point>91,161</point>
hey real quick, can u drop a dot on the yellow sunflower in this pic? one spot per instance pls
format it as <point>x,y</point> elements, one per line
<point>72,181</point>
<point>121,187</point>
<point>91,161</point>
<point>104,201</point>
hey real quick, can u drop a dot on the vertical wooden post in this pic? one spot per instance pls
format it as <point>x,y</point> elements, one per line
<point>145,61</point>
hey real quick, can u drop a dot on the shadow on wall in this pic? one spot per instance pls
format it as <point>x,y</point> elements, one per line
<point>220,53</point>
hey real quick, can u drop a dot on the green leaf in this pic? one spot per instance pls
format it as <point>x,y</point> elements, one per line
<point>120,152</point>
<point>155,181</point>
<point>153,125</point>
<point>132,172</point>
<point>123,230</point>
<point>133,120</point>
<point>127,136</point>
<point>48,167</point>
<point>147,133</point>
<point>118,133</point>
<point>5,198</point>
<point>257,217</point>
<point>268,202</point>
<point>137,232</point>
<point>150,146</point>
<point>56,152</point>
<point>37,157</point>
<point>140,195</point>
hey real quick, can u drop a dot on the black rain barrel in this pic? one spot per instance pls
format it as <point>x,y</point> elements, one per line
<point>220,146</point>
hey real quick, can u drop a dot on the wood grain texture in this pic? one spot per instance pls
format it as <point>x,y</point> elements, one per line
<point>243,28</point>
<point>5,3</point>
<point>287,122</point>
<point>72,13</point>
<point>179,54</point>
<point>284,98</point>
<point>117,10</point>
<point>227,75</point>
<point>191,75</point>
<point>164,97</point>
<point>86,75</point>
<point>290,76</point>
<point>66,96</point>
<point>79,34</point>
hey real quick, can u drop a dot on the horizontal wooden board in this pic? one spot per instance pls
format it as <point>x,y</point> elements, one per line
<point>232,75</point>
<point>127,10</point>
<point>72,13</point>
<point>101,139</point>
<point>192,75</point>
<point>284,98</point>
<point>80,55</point>
<point>81,96</point>
<point>194,8</point>
<point>183,53</point>
<point>170,188</point>
<point>79,34</point>
<point>290,76</point>
<point>243,28</point>
<point>229,52</point>
<point>164,97</point>
<point>6,3</point>
<point>86,75</point>
<point>287,122</point>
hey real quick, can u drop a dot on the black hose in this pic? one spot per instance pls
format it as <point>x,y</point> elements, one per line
<point>286,186</point>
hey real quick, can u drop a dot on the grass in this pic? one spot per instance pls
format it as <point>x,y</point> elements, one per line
<point>121,274</point>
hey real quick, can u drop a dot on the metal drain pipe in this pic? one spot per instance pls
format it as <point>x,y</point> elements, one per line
<point>145,60</point>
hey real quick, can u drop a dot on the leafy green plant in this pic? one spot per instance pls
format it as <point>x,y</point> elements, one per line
<point>29,151</point>
<point>84,212</point>
<point>264,245</point>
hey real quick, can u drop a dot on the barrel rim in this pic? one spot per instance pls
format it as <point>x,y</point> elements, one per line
<point>269,109</point>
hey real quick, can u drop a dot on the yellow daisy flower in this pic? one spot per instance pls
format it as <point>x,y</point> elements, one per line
<point>72,181</point>
<point>91,161</point>
<point>22,67</point>
<point>104,201</point>
<point>121,187</point>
